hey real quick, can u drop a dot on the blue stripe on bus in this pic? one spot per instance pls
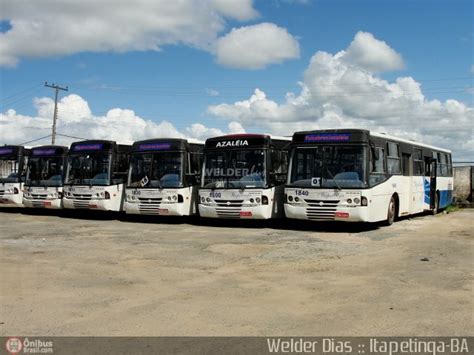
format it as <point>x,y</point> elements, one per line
<point>427,191</point>
<point>445,196</point>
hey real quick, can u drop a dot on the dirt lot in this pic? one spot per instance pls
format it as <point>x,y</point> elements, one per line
<point>65,275</point>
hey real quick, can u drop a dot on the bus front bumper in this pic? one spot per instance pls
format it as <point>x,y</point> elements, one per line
<point>92,204</point>
<point>163,209</point>
<point>11,200</point>
<point>244,212</point>
<point>341,213</point>
<point>43,203</point>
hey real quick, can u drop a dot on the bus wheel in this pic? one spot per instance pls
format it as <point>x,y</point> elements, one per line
<point>392,208</point>
<point>436,205</point>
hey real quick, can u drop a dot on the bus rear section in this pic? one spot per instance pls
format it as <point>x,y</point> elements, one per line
<point>243,177</point>
<point>95,175</point>
<point>360,176</point>
<point>44,177</point>
<point>13,162</point>
<point>164,177</point>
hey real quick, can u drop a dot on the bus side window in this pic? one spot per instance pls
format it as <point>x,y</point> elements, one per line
<point>195,168</point>
<point>393,158</point>
<point>196,161</point>
<point>444,164</point>
<point>279,165</point>
<point>450,165</point>
<point>23,165</point>
<point>377,167</point>
<point>120,167</point>
<point>418,164</point>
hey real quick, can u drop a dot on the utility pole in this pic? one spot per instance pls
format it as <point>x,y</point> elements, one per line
<point>55,117</point>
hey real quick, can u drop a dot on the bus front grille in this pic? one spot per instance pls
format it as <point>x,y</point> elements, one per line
<point>2,192</point>
<point>82,197</point>
<point>150,201</point>
<point>228,212</point>
<point>321,210</point>
<point>80,204</point>
<point>39,197</point>
<point>229,203</point>
<point>148,208</point>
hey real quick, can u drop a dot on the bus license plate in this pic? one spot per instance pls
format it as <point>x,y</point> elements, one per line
<point>245,213</point>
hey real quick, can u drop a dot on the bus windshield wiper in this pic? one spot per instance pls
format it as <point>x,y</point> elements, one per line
<point>332,177</point>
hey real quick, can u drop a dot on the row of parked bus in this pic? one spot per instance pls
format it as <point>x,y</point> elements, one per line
<point>325,175</point>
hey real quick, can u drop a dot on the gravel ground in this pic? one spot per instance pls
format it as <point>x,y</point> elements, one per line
<point>93,274</point>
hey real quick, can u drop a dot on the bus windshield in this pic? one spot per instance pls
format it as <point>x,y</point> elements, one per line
<point>163,169</point>
<point>90,169</point>
<point>234,169</point>
<point>329,166</point>
<point>9,170</point>
<point>45,171</point>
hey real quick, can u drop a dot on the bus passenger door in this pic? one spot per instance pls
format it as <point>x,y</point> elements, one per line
<point>433,168</point>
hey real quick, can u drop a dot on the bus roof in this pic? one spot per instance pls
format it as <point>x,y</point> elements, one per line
<point>408,141</point>
<point>243,140</point>
<point>49,150</point>
<point>13,150</point>
<point>353,135</point>
<point>95,145</point>
<point>163,144</point>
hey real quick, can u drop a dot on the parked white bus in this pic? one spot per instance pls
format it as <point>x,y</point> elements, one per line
<point>243,176</point>
<point>164,177</point>
<point>13,161</point>
<point>356,175</point>
<point>95,175</point>
<point>44,177</point>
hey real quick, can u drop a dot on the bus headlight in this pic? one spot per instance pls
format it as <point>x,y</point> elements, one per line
<point>203,199</point>
<point>257,200</point>
<point>208,200</point>
<point>290,198</point>
<point>251,200</point>
<point>175,198</point>
<point>297,199</point>
<point>356,200</point>
<point>349,201</point>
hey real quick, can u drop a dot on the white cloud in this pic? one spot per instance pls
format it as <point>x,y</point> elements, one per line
<point>53,28</point>
<point>336,93</point>
<point>255,47</point>
<point>76,119</point>
<point>372,54</point>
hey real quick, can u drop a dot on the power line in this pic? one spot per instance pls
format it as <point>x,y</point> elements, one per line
<point>21,92</point>
<point>35,140</point>
<point>72,137</point>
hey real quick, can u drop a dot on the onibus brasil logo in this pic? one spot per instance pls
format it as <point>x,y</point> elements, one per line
<point>16,345</point>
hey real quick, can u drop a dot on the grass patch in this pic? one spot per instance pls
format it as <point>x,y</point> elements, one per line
<point>451,209</point>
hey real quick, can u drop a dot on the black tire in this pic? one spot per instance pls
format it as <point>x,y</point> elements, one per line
<point>435,210</point>
<point>391,212</point>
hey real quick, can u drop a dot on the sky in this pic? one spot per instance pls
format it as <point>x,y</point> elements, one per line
<point>200,68</point>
